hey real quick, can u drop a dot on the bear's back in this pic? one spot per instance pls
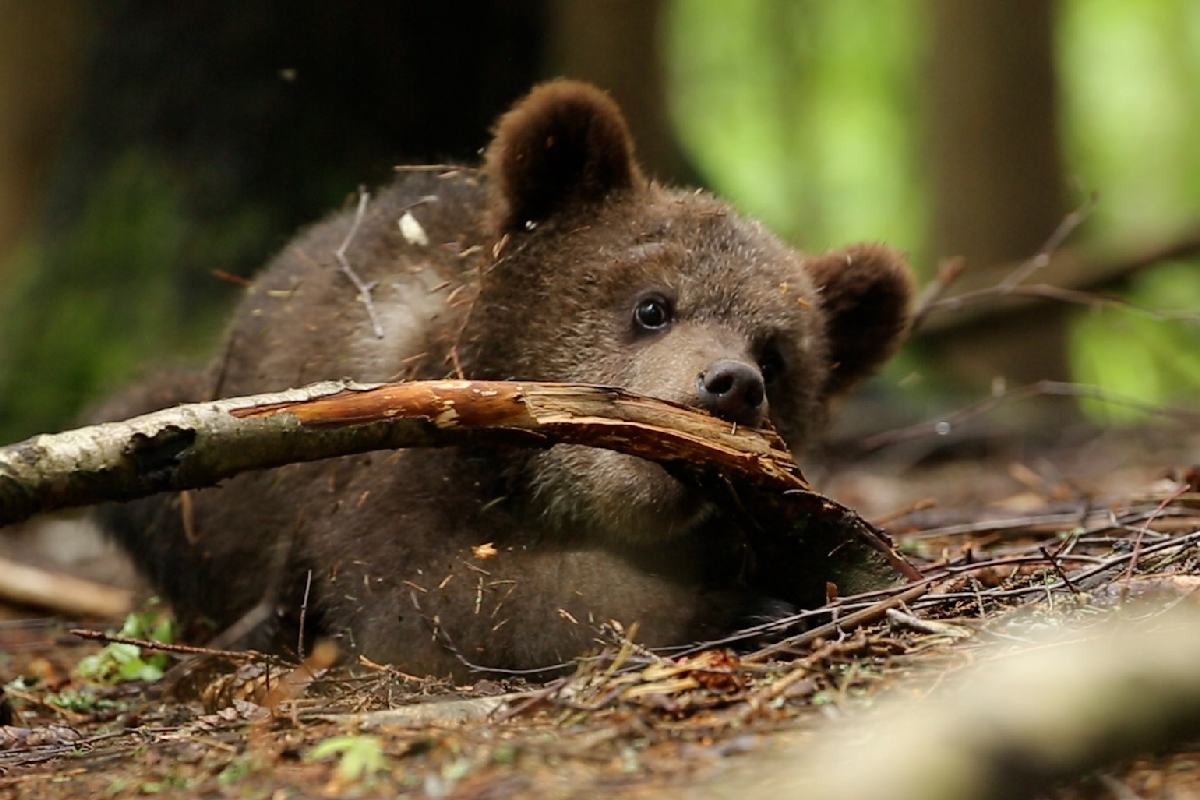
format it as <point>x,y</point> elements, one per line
<point>414,246</point>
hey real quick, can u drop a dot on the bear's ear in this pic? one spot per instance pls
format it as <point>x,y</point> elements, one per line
<point>564,143</point>
<point>865,292</point>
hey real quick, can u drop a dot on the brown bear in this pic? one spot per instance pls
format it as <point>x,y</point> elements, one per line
<point>557,261</point>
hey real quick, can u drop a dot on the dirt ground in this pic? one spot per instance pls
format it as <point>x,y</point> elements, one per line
<point>1014,539</point>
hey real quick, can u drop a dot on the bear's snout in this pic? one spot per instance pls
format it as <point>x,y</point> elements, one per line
<point>733,391</point>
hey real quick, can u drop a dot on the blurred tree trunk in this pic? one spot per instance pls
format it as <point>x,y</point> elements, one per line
<point>40,60</point>
<point>997,172</point>
<point>615,44</point>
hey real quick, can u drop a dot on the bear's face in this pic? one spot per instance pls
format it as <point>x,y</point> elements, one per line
<point>603,277</point>
<point>655,291</point>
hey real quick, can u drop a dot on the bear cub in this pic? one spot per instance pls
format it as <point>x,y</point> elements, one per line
<point>558,260</point>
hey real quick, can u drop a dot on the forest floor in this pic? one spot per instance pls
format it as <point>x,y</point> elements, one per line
<point>1013,541</point>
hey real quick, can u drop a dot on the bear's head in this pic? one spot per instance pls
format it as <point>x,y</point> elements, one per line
<point>602,276</point>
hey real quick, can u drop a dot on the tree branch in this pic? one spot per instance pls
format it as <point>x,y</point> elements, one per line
<point>197,445</point>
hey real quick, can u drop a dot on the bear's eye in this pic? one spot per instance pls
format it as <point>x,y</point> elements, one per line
<point>771,365</point>
<point>652,313</point>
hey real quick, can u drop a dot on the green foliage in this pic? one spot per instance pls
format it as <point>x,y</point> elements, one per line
<point>1131,115</point>
<point>90,304</point>
<point>81,701</point>
<point>119,662</point>
<point>236,770</point>
<point>505,753</point>
<point>802,113</point>
<point>1131,111</point>
<point>807,114</point>
<point>124,662</point>
<point>170,783</point>
<point>1138,355</point>
<point>361,756</point>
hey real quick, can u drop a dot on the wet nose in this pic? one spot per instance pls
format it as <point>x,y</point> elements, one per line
<point>733,391</point>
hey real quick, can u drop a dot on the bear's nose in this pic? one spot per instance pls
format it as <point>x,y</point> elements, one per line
<point>733,391</point>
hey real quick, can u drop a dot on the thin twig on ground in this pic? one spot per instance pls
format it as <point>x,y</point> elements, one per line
<point>166,647</point>
<point>850,621</point>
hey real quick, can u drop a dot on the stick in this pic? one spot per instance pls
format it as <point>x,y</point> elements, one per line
<point>196,445</point>
<point>364,291</point>
<point>64,594</point>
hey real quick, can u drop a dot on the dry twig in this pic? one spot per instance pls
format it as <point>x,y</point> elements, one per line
<point>166,647</point>
<point>849,622</point>
<point>364,290</point>
<point>946,424</point>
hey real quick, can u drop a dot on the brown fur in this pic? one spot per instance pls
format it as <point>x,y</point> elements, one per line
<point>538,268</point>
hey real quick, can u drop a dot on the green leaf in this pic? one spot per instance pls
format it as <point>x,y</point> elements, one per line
<point>361,756</point>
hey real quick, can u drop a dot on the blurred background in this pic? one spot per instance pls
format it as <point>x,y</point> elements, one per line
<point>152,153</point>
